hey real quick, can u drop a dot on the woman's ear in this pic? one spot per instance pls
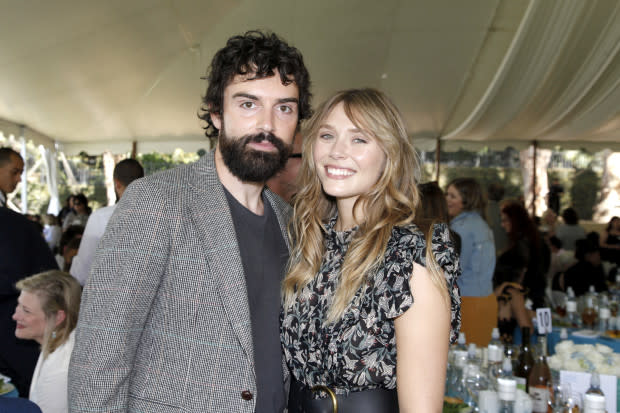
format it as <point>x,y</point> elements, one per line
<point>60,317</point>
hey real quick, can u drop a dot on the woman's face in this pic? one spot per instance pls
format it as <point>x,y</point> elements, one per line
<point>79,207</point>
<point>30,318</point>
<point>550,217</point>
<point>615,224</point>
<point>348,160</point>
<point>454,201</point>
<point>506,224</point>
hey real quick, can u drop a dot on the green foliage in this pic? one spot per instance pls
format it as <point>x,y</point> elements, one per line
<point>155,162</point>
<point>584,192</point>
<point>510,178</point>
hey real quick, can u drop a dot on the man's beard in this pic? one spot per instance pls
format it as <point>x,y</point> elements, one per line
<point>251,165</point>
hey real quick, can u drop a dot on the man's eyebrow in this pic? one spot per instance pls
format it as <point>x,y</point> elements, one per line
<point>244,95</point>
<point>288,100</point>
<point>253,97</point>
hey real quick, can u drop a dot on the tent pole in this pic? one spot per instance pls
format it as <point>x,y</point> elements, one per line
<point>437,159</point>
<point>134,149</point>
<point>535,155</point>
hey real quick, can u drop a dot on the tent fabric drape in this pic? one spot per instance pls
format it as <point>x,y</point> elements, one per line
<point>50,168</point>
<point>559,79</point>
<point>526,157</point>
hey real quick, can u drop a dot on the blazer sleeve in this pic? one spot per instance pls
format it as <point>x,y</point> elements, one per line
<point>124,279</point>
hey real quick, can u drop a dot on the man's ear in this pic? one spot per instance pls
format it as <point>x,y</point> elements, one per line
<point>117,185</point>
<point>216,118</point>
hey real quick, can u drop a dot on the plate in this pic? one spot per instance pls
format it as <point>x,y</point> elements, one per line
<point>6,388</point>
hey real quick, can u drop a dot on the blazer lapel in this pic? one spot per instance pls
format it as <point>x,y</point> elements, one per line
<point>215,228</point>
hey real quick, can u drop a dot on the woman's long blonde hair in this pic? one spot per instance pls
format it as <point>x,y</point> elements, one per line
<point>57,290</point>
<point>392,201</point>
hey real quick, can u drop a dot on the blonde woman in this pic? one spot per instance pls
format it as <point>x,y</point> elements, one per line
<point>47,312</point>
<point>362,286</point>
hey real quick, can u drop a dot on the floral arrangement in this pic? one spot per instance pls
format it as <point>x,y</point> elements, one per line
<point>585,357</point>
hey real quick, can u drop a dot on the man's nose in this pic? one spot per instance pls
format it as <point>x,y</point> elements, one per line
<point>266,121</point>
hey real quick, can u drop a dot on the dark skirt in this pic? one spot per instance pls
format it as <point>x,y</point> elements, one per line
<point>301,400</point>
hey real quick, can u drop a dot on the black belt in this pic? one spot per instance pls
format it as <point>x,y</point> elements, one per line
<point>301,400</point>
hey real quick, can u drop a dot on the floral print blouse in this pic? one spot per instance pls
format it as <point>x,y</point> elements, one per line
<point>358,352</point>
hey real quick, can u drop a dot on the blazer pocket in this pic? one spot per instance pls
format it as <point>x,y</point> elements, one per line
<point>139,404</point>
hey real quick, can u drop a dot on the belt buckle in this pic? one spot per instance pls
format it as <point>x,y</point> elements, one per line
<point>332,394</point>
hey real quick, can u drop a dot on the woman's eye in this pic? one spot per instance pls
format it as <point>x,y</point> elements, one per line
<point>325,136</point>
<point>359,140</point>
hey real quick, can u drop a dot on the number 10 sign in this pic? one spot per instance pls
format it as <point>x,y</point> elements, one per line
<point>543,317</point>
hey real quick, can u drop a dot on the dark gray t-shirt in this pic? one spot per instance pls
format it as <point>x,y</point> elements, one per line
<point>264,255</point>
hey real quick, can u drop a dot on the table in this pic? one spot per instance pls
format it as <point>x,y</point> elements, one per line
<point>554,338</point>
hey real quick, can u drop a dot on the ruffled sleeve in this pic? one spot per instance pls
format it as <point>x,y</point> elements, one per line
<point>448,259</point>
<point>408,245</point>
<point>391,290</point>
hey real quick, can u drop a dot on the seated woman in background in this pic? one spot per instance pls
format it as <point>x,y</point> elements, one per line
<point>548,223</point>
<point>525,240</point>
<point>466,203</point>
<point>433,208</point>
<point>588,269</point>
<point>610,242</point>
<point>47,312</point>
<point>570,231</point>
<point>508,287</point>
<point>79,215</point>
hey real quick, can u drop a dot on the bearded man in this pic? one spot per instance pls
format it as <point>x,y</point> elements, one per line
<point>181,310</point>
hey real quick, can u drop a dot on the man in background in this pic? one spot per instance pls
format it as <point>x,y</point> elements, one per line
<point>23,252</point>
<point>125,172</point>
<point>11,169</point>
<point>284,183</point>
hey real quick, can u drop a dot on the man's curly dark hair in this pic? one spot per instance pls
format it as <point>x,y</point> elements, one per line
<point>259,54</point>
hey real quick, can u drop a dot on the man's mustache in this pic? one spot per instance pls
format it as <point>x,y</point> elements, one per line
<point>269,137</point>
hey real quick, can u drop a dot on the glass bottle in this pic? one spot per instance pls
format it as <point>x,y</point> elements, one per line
<point>572,319</point>
<point>506,388</point>
<point>459,360</point>
<point>540,381</point>
<point>525,360</point>
<point>603,314</point>
<point>495,356</point>
<point>594,399</point>
<point>475,380</point>
<point>589,315</point>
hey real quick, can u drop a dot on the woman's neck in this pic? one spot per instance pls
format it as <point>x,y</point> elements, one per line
<point>346,217</point>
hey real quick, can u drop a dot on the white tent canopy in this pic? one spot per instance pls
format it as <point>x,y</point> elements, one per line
<point>95,76</point>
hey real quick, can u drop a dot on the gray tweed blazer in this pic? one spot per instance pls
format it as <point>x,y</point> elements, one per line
<point>164,324</point>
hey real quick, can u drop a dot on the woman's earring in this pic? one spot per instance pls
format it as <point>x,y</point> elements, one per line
<point>53,334</point>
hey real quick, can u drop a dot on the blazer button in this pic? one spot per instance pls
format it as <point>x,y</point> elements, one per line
<point>247,395</point>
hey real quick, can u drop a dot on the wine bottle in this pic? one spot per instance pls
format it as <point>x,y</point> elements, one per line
<point>525,360</point>
<point>594,399</point>
<point>589,315</point>
<point>539,381</point>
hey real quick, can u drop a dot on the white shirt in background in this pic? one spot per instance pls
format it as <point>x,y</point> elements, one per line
<point>95,227</point>
<point>49,381</point>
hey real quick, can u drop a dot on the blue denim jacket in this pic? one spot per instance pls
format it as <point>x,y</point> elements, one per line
<point>477,254</point>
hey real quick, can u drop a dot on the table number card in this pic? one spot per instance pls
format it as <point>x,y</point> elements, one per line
<point>543,318</point>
